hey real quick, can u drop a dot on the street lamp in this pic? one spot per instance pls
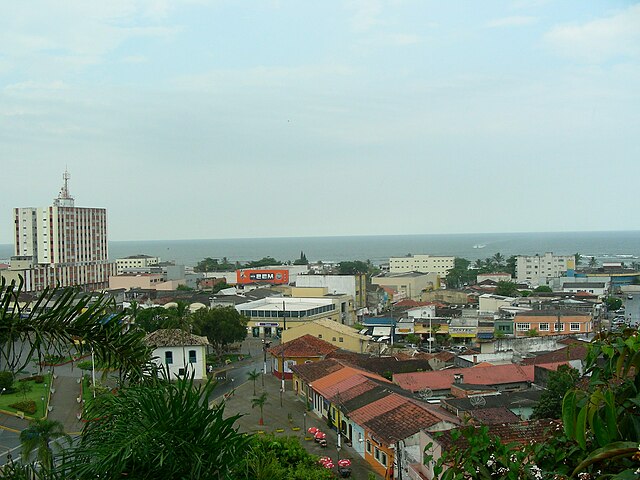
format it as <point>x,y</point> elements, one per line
<point>304,421</point>
<point>44,407</point>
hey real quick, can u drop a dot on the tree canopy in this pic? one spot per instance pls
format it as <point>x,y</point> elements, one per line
<point>506,288</point>
<point>214,265</point>
<point>221,326</point>
<point>353,267</point>
<point>559,383</point>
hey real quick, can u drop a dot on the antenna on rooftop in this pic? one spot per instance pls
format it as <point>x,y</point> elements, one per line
<point>64,198</point>
<point>478,401</point>
<point>425,394</point>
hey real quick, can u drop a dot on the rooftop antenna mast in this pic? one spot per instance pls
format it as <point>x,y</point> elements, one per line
<point>64,198</point>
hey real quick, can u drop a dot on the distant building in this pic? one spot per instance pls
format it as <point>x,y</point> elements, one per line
<point>548,322</point>
<point>422,263</point>
<point>135,262</point>
<point>353,285</point>
<point>496,277</point>
<point>60,245</point>
<point>539,269</point>
<point>411,284</point>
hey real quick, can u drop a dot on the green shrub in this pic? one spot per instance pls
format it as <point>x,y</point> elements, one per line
<point>6,380</point>
<point>86,365</point>
<point>38,378</point>
<point>26,406</point>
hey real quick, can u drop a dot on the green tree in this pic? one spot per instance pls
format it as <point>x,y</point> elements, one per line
<point>543,289</point>
<point>207,265</point>
<point>263,262</point>
<point>613,303</point>
<point>260,402</point>
<point>254,375</point>
<point>72,321</point>
<point>510,265</point>
<point>460,274</point>
<point>157,430</point>
<point>221,326</point>
<point>40,435</point>
<point>559,383</point>
<point>352,267</point>
<point>6,380</point>
<point>498,261</point>
<point>593,263</point>
<point>302,260</point>
<point>152,319</point>
<point>24,388</point>
<point>506,288</point>
<point>578,259</point>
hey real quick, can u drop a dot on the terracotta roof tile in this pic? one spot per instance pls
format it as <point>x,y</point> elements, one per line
<point>490,416</point>
<point>355,391</point>
<point>174,337</point>
<point>489,375</point>
<point>310,372</point>
<point>401,422</point>
<point>305,346</point>
<point>324,385</point>
<point>379,407</point>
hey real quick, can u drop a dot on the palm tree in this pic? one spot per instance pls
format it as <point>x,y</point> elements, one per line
<point>260,402</point>
<point>578,258</point>
<point>254,375</point>
<point>39,435</point>
<point>157,430</point>
<point>593,263</point>
<point>498,260</point>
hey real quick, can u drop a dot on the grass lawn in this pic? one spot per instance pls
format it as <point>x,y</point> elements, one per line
<point>38,391</point>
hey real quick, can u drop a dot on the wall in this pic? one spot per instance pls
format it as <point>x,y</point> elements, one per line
<point>179,360</point>
<point>525,344</point>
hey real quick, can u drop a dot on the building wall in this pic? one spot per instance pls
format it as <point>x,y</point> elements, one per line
<point>411,286</point>
<point>352,285</point>
<point>422,263</point>
<point>548,325</point>
<point>142,261</point>
<point>181,361</point>
<point>536,269</point>
<point>149,281</point>
<point>334,337</point>
<point>446,296</point>
<point>492,304</point>
<point>371,444</point>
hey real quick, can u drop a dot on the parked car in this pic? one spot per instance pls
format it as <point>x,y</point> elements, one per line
<point>629,297</point>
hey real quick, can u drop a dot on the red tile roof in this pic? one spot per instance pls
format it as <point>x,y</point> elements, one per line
<point>442,379</point>
<point>310,372</point>
<point>305,346</point>
<point>325,385</point>
<point>354,391</point>
<point>401,422</point>
<point>379,407</point>
<point>491,416</point>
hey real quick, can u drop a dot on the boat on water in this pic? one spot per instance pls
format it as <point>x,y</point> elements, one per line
<point>479,246</point>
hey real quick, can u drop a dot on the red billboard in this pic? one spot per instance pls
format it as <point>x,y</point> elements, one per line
<point>273,277</point>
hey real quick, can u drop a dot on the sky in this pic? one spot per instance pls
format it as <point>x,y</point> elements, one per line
<point>195,119</point>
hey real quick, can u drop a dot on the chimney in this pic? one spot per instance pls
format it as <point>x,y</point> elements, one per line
<point>475,359</point>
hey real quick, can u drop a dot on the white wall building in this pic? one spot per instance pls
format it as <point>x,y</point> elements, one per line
<point>539,269</point>
<point>489,303</point>
<point>61,244</point>
<point>422,263</point>
<point>135,262</point>
<point>179,353</point>
<point>352,285</point>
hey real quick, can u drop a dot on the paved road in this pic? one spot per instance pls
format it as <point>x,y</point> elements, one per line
<point>64,405</point>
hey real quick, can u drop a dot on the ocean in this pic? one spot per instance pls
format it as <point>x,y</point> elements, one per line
<point>605,246</point>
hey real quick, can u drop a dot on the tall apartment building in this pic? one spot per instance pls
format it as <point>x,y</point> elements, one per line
<point>538,269</point>
<point>422,263</point>
<point>61,245</point>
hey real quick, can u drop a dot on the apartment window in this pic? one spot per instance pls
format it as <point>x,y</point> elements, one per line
<point>168,358</point>
<point>523,327</point>
<point>333,339</point>
<point>192,356</point>
<point>574,326</point>
<point>543,327</point>
<point>380,456</point>
<point>558,327</point>
<point>368,446</point>
<point>341,339</point>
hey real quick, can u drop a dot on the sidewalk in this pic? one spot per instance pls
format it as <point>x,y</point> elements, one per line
<point>277,418</point>
<point>64,404</point>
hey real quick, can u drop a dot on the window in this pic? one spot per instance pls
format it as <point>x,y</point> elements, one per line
<point>574,326</point>
<point>380,456</point>
<point>192,356</point>
<point>333,339</point>
<point>319,335</point>
<point>523,327</point>
<point>341,339</point>
<point>168,358</point>
<point>558,327</point>
<point>369,446</point>
<point>543,327</point>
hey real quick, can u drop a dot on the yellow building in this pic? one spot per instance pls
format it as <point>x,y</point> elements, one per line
<point>341,336</point>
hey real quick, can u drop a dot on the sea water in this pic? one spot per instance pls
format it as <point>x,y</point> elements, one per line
<point>605,246</point>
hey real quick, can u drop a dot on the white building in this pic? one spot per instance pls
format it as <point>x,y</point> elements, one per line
<point>61,244</point>
<point>179,353</point>
<point>422,263</point>
<point>352,285</point>
<point>489,303</point>
<point>135,262</point>
<point>539,269</point>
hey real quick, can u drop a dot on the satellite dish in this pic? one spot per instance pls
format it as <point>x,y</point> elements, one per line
<point>425,394</point>
<point>478,401</point>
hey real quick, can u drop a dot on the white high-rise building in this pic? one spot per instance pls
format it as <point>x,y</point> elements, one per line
<point>422,263</point>
<point>61,245</point>
<point>540,269</point>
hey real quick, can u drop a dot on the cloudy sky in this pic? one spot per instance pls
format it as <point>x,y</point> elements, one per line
<point>224,119</point>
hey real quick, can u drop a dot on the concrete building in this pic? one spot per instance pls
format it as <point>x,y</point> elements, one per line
<point>353,285</point>
<point>548,322</point>
<point>422,263</point>
<point>495,277</point>
<point>489,303</point>
<point>268,316</point>
<point>411,284</point>
<point>341,336</point>
<point>597,288</point>
<point>135,262</point>
<point>540,269</point>
<point>61,245</point>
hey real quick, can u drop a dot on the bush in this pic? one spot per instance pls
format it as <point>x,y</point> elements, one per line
<point>6,380</point>
<point>86,365</point>
<point>34,378</point>
<point>26,406</point>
